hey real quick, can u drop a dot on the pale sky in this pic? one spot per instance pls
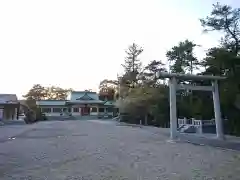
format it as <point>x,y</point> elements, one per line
<point>77,43</point>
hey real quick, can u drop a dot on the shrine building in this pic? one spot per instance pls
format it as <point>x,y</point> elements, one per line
<point>78,104</point>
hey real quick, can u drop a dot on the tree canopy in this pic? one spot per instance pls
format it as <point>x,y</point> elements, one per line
<point>39,92</point>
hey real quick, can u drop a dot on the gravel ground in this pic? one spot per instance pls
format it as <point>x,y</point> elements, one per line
<point>103,150</point>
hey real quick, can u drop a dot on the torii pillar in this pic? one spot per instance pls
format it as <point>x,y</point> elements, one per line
<point>173,107</point>
<point>173,87</point>
<point>217,111</point>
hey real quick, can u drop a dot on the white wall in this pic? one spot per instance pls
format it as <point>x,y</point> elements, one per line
<point>105,113</point>
<point>76,113</point>
<point>93,113</point>
<point>9,113</point>
<point>53,113</point>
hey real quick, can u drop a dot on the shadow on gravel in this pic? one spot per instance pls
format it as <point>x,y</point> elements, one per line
<point>224,144</point>
<point>12,122</point>
<point>47,133</point>
<point>191,138</point>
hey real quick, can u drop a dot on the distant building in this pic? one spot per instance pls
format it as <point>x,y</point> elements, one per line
<point>78,104</point>
<point>9,106</point>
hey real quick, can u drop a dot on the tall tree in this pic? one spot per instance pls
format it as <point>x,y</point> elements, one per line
<point>57,93</point>
<point>154,66</point>
<point>225,19</point>
<point>218,61</point>
<point>182,58</point>
<point>225,60</point>
<point>37,92</point>
<point>149,73</point>
<point>132,65</point>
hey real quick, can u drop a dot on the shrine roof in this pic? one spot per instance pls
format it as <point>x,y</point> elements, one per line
<point>8,99</point>
<point>83,97</point>
<point>109,103</point>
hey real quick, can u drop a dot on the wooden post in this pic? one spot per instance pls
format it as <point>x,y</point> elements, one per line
<point>18,110</point>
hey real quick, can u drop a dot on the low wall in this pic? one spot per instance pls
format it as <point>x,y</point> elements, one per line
<point>210,129</point>
<point>105,113</point>
<point>93,113</point>
<point>53,114</point>
<point>76,114</point>
<point>201,126</point>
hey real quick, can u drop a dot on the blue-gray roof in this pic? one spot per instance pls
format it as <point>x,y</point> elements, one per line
<point>109,103</point>
<point>8,99</point>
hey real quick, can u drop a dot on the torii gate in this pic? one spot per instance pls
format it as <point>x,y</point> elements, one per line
<point>173,87</point>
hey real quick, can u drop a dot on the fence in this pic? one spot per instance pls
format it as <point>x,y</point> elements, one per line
<point>198,124</point>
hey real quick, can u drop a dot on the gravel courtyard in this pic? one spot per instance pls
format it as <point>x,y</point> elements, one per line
<point>98,150</point>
